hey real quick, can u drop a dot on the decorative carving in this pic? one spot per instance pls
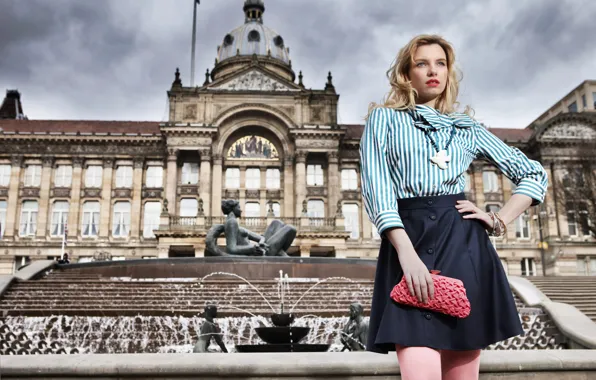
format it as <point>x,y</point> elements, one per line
<point>350,153</point>
<point>231,194</point>
<point>138,162</point>
<point>333,157</point>
<point>60,192</point>
<point>152,193</point>
<point>273,194</point>
<point>47,161</point>
<point>252,148</point>
<point>91,192</point>
<point>301,156</point>
<point>253,194</point>
<point>76,148</point>
<point>16,160</point>
<point>190,111</point>
<point>3,192</point>
<point>288,110</point>
<point>108,163</point>
<point>253,81</point>
<point>188,141</point>
<point>164,210</point>
<point>217,108</point>
<point>217,159</point>
<point>570,131</point>
<point>205,155</point>
<point>316,191</point>
<point>304,207</point>
<point>173,153</point>
<point>29,192</point>
<point>318,143</point>
<point>77,161</point>
<point>200,209</point>
<point>122,193</point>
<point>316,114</point>
<point>351,195</point>
<point>493,197</point>
<point>338,211</point>
<point>188,189</point>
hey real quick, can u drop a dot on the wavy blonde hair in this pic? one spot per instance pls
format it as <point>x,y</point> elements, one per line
<point>402,95</point>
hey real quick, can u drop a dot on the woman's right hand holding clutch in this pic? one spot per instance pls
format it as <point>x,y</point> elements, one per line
<point>417,275</point>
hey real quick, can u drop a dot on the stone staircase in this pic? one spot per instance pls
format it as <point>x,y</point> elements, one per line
<point>579,291</point>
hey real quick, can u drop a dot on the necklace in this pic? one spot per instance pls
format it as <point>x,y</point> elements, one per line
<point>440,158</point>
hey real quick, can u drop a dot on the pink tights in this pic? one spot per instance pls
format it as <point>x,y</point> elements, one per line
<point>423,363</point>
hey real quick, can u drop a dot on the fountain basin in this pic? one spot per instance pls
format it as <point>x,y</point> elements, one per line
<point>282,320</point>
<point>282,335</point>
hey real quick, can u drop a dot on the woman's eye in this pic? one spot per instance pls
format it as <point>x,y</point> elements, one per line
<point>442,64</point>
<point>420,64</point>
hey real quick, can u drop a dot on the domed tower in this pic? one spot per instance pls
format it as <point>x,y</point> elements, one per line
<point>253,41</point>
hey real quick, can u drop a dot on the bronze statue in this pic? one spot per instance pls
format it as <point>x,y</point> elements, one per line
<point>277,239</point>
<point>355,332</point>
<point>209,330</point>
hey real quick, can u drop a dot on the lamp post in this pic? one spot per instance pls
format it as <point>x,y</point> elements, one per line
<point>541,212</point>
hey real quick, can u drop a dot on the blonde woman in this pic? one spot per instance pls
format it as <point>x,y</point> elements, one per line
<point>414,151</point>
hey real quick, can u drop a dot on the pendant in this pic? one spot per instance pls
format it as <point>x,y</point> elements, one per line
<point>440,159</point>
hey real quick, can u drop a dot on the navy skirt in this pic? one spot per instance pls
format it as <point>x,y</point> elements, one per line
<point>459,248</point>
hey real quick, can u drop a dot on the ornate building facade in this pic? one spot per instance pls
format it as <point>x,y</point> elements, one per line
<point>252,132</point>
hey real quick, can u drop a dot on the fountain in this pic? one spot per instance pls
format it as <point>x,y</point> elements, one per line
<point>282,336</point>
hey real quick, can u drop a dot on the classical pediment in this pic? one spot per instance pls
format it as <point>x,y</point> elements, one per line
<point>253,80</point>
<point>569,131</point>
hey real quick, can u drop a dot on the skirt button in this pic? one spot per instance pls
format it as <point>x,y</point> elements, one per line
<point>433,217</point>
<point>430,250</point>
<point>427,316</point>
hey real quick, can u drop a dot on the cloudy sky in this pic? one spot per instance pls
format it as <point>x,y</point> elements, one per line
<point>115,59</point>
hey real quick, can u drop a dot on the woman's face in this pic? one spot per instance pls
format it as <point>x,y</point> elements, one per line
<point>429,73</point>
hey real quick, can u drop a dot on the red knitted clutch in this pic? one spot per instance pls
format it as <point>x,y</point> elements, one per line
<point>450,296</point>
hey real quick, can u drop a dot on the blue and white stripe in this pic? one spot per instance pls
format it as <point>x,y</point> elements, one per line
<point>395,160</point>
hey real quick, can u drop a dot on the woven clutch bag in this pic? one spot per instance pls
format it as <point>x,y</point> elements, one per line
<point>450,296</point>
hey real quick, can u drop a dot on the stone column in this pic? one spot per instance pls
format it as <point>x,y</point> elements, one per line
<point>288,186</point>
<point>216,186</point>
<point>75,197</point>
<point>13,197</point>
<point>172,179</point>
<point>137,188</point>
<point>47,163</point>
<point>205,181</point>
<point>333,181</point>
<point>106,198</point>
<point>300,181</point>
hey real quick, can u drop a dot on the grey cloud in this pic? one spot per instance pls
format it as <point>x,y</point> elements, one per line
<point>115,59</point>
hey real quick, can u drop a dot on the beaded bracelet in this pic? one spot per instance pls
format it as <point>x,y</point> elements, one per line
<point>499,228</point>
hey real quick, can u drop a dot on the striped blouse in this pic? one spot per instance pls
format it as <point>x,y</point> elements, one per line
<point>395,161</point>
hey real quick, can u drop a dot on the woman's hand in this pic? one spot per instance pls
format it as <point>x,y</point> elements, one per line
<point>474,213</point>
<point>418,278</point>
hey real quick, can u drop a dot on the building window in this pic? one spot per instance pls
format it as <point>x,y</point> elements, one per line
<point>3,207</point>
<point>29,218</point>
<point>584,219</point>
<point>253,178</point>
<point>93,176</point>
<point>154,177</point>
<point>33,175</point>
<point>315,209</point>
<point>351,215</point>
<point>490,181</point>
<point>492,208</point>
<point>528,267</point>
<point>121,219</point>
<point>276,209</point>
<point>594,98</point>
<point>571,222</point>
<point>59,218</point>
<point>273,178</point>
<point>581,267</point>
<point>232,178</point>
<point>467,182</point>
<point>4,175</point>
<point>190,173</point>
<point>63,177</point>
<point>572,107</point>
<point>349,179</point>
<point>252,210</point>
<point>592,266</point>
<point>151,218</point>
<point>189,207</point>
<point>522,226</point>
<point>375,232</point>
<point>314,175</point>
<point>20,262</point>
<point>584,103</point>
<point>124,177</point>
<point>90,219</point>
